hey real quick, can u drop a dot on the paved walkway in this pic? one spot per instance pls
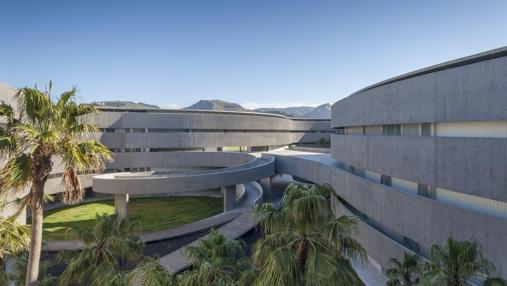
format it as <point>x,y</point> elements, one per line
<point>177,260</point>
<point>236,228</point>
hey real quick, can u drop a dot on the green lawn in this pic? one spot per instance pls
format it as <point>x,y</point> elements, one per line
<point>154,214</point>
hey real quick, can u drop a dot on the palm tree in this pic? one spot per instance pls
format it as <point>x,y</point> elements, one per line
<point>303,243</point>
<point>109,245</point>
<point>39,132</point>
<point>150,273</point>
<point>14,239</point>
<point>405,272</point>
<point>19,274</point>
<point>217,261</point>
<point>456,263</point>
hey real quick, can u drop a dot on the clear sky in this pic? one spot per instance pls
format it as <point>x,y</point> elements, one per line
<point>251,52</point>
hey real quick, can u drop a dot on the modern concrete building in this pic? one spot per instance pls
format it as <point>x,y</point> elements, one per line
<point>418,158</point>
<point>429,153</point>
<point>423,157</point>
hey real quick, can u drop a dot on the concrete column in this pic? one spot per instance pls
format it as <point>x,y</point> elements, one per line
<point>121,204</point>
<point>266,188</point>
<point>229,194</point>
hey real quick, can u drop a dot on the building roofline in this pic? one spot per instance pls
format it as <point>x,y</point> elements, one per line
<point>149,110</point>
<point>475,58</point>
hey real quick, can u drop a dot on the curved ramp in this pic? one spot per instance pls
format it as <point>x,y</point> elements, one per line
<point>247,168</point>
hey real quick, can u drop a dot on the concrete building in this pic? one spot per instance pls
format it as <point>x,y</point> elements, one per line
<point>424,157</point>
<point>418,158</point>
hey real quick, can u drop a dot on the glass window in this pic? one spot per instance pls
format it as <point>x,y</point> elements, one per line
<point>386,180</point>
<point>411,244</point>
<point>426,129</point>
<point>426,191</point>
<point>392,130</point>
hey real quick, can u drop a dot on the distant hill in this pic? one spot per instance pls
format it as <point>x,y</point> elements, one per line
<point>322,112</point>
<point>299,111</point>
<point>216,105</point>
<point>125,104</point>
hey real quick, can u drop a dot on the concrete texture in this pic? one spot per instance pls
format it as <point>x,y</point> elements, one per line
<point>401,214</point>
<point>466,91</point>
<point>229,194</point>
<point>200,129</point>
<point>474,166</point>
<point>121,204</point>
<point>153,183</point>
<point>470,89</point>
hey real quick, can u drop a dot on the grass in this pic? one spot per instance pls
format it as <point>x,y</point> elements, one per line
<point>154,214</point>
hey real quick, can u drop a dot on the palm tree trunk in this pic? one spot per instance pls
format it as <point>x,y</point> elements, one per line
<point>302,253</point>
<point>32,271</point>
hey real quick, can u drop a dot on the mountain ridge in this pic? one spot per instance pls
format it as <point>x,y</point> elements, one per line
<point>320,112</point>
<point>124,104</point>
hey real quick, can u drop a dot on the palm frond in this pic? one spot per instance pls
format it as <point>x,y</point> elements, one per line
<point>263,248</point>
<point>271,218</point>
<point>16,174</point>
<point>14,237</point>
<point>150,273</point>
<point>325,270</point>
<point>281,268</point>
<point>34,105</point>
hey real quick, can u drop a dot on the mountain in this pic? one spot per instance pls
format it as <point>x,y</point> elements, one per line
<point>322,112</point>
<point>216,105</point>
<point>124,104</point>
<point>288,111</point>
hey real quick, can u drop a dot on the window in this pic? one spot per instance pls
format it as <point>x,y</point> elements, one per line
<point>386,180</point>
<point>410,129</point>
<point>392,130</point>
<point>426,191</point>
<point>426,129</point>
<point>138,130</point>
<point>411,244</point>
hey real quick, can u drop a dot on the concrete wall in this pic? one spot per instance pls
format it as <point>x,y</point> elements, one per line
<point>179,159</point>
<point>147,183</point>
<point>474,166</point>
<point>470,92</point>
<point>421,219</point>
<point>198,129</point>
<point>464,90</point>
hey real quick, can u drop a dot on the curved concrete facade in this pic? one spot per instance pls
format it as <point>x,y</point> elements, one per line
<point>394,214</point>
<point>235,168</point>
<point>467,89</point>
<point>156,129</point>
<point>419,158</point>
<point>423,157</point>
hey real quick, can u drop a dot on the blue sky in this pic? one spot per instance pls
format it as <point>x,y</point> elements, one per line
<point>255,53</point>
